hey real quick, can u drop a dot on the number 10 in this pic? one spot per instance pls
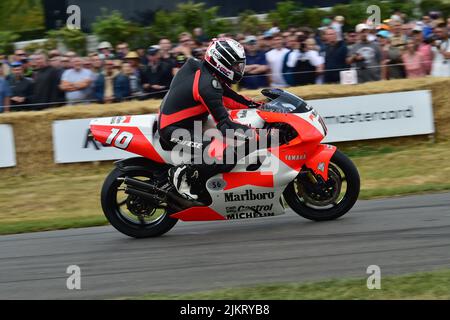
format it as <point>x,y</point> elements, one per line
<point>123,140</point>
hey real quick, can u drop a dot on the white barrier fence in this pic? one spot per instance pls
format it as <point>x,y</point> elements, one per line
<point>348,119</point>
<point>377,116</point>
<point>7,148</point>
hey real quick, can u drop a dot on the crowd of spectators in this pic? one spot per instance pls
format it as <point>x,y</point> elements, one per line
<point>398,48</point>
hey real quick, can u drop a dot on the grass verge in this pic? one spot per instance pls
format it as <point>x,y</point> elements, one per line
<point>69,196</point>
<point>423,285</point>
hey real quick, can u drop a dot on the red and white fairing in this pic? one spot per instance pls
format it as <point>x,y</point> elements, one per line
<point>240,193</point>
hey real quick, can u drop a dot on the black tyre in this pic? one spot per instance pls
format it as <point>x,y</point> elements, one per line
<point>337,197</point>
<point>129,214</point>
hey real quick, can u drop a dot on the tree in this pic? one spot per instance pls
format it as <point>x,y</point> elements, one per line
<point>112,27</point>
<point>312,17</point>
<point>166,25</point>
<point>187,17</point>
<point>249,23</point>
<point>21,15</point>
<point>286,14</point>
<point>73,39</point>
<point>7,39</point>
<point>435,5</point>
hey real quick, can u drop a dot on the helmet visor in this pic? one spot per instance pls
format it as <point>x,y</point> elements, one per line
<point>239,67</point>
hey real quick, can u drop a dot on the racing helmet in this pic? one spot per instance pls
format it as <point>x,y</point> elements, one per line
<point>227,59</point>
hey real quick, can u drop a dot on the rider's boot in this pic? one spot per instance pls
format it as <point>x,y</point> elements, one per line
<point>186,180</point>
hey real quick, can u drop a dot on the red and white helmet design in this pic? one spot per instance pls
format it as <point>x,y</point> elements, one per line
<point>227,57</point>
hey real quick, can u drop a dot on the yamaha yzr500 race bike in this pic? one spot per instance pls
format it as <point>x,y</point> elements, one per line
<point>315,180</point>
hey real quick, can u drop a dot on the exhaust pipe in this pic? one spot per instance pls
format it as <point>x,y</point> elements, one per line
<point>158,196</point>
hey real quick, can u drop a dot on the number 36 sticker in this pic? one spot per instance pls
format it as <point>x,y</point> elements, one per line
<point>122,141</point>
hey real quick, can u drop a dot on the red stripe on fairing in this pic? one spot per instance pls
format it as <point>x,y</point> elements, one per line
<point>239,179</point>
<point>139,144</point>
<point>168,119</point>
<point>198,214</point>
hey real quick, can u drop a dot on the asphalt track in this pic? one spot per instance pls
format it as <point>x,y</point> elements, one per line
<point>400,235</point>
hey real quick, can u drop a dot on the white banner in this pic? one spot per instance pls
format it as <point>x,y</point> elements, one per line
<point>7,148</point>
<point>71,143</point>
<point>377,116</point>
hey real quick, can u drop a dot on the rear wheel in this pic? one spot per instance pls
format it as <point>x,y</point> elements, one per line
<point>130,214</point>
<point>330,199</point>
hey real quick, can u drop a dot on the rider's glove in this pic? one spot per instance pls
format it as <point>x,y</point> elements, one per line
<point>240,131</point>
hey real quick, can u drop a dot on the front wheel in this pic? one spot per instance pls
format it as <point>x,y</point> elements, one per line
<point>130,214</point>
<point>327,200</point>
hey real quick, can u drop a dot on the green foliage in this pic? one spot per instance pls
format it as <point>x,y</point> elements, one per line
<point>112,27</point>
<point>187,17</point>
<point>213,25</point>
<point>21,15</point>
<point>312,17</point>
<point>45,46</point>
<point>435,5</point>
<point>7,38</point>
<point>73,39</point>
<point>286,14</point>
<point>248,23</point>
<point>166,25</point>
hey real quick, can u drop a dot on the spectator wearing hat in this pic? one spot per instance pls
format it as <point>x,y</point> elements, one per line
<point>105,50</point>
<point>158,74</point>
<point>21,87</point>
<point>5,91</point>
<point>75,82</point>
<point>391,58</point>
<point>135,73</point>
<point>112,85</point>
<point>256,68</point>
<point>365,56</point>
<point>335,56</point>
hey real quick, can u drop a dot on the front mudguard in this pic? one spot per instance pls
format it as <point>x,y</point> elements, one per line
<point>320,159</point>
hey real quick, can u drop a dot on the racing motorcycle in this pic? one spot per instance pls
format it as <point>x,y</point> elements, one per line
<point>315,180</point>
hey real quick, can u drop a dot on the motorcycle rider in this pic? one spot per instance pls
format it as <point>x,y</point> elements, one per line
<point>199,89</point>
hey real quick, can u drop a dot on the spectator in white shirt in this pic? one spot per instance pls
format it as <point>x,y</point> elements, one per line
<point>275,59</point>
<point>441,52</point>
<point>338,24</point>
<point>75,82</point>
